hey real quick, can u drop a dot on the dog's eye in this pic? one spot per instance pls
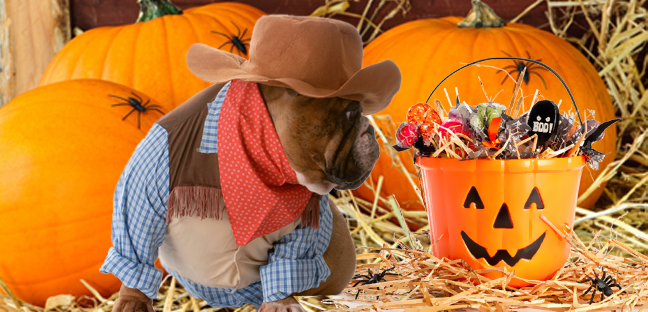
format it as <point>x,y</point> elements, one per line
<point>351,114</point>
<point>291,92</point>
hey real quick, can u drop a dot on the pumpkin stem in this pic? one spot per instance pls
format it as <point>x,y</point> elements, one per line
<point>481,15</point>
<point>151,9</point>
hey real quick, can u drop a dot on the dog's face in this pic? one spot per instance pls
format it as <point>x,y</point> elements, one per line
<point>327,141</point>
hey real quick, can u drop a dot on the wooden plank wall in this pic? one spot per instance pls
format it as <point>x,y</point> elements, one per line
<point>88,14</point>
<point>31,32</point>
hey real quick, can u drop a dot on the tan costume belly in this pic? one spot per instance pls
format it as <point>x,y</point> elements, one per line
<point>204,252</point>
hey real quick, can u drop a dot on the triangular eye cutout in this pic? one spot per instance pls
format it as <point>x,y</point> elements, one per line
<point>473,197</point>
<point>534,198</point>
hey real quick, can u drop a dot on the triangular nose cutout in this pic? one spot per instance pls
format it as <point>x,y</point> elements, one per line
<point>503,220</point>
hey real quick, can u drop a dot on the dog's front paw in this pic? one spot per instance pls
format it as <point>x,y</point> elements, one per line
<point>289,304</point>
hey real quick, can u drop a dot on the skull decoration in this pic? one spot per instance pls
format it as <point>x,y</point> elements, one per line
<point>487,212</point>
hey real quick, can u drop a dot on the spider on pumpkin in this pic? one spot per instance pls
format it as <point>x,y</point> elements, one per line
<point>372,278</point>
<point>603,284</point>
<point>531,69</point>
<point>136,103</point>
<point>236,41</point>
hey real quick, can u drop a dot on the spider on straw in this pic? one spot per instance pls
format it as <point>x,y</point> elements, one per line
<point>136,103</point>
<point>531,68</point>
<point>372,278</point>
<point>236,41</point>
<point>603,284</point>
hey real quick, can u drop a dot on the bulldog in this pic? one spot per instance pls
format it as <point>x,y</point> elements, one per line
<point>230,189</point>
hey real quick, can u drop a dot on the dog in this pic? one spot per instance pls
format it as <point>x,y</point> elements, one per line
<point>231,188</point>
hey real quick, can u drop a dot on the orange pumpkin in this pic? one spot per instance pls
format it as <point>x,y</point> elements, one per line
<point>427,50</point>
<point>488,212</point>
<point>150,55</point>
<point>64,147</point>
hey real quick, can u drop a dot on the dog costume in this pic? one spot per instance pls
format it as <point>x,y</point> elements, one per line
<point>210,190</point>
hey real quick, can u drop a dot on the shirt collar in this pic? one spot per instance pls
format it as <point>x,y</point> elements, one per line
<point>208,144</point>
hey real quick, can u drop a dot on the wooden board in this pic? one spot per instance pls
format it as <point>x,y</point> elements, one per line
<point>88,14</point>
<point>31,32</point>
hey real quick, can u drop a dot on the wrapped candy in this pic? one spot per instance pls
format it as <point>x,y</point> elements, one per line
<point>485,114</point>
<point>406,135</point>
<point>422,114</point>
<point>455,126</point>
<point>489,133</point>
<point>427,132</point>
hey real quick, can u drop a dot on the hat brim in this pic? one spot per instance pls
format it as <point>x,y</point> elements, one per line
<point>373,86</point>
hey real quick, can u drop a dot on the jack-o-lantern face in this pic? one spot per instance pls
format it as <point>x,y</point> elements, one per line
<point>487,212</point>
<point>502,221</point>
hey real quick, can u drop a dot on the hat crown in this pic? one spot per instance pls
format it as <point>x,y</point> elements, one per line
<point>322,52</point>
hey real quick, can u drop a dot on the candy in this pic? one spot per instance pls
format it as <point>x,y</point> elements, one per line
<point>485,114</point>
<point>455,126</point>
<point>422,114</point>
<point>493,128</point>
<point>489,133</point>
<point>406,135</point>
<point>427,132</point>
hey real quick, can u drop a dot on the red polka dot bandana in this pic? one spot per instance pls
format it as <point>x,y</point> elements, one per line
<point>260,189</point>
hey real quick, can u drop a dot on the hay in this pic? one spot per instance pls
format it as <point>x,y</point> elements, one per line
<point>614,233</point>
<point>427,283</point>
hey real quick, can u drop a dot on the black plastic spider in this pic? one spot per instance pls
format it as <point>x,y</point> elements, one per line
<point>136,103</point>
<point>372,278</point>
<point>236,41</point>
<point>531,68</point>
<point>603,284</point>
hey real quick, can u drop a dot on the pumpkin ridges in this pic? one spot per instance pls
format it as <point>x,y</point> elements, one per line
<point>135,56</point>
<point>424,88</point>
<point>102,70</point>
<point>47,75</point>
<point>230,11</point>
<point>118,112</point>
<point>69,142</point>
<point>234,8</point>
<point>149,72</point>
<point>166,50</point>
<point>389,44</point>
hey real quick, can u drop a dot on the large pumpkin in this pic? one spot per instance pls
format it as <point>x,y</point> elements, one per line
<point>488,212</point>
<point>428,50</point>
<point>64,147</point>
<point>150,55</point>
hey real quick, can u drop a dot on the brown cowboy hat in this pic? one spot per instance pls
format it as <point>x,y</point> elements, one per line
<point>315,56</point>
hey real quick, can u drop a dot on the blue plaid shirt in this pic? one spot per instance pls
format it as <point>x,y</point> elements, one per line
<point>295,263</point>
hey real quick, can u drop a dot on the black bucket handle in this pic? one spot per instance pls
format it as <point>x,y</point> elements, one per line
<point>513,58</point>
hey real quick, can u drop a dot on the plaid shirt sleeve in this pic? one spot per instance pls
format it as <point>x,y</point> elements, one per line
<point>139,215</point>
<point>296,262</point>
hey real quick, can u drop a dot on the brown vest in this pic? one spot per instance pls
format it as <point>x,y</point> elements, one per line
<point>199,244</point>
<point>194,179</point>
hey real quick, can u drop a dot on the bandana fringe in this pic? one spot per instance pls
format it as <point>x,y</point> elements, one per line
<point>310,216</point>
<point>198,201</point>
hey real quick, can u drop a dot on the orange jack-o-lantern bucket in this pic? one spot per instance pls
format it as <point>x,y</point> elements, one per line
<point>487,212</point>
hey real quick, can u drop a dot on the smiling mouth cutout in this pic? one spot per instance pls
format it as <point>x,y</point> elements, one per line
<point>478,251</point>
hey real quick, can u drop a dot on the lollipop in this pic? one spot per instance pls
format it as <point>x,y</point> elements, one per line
<point>406,135</point>
<point>455,126</point>
<point>422,114</point>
